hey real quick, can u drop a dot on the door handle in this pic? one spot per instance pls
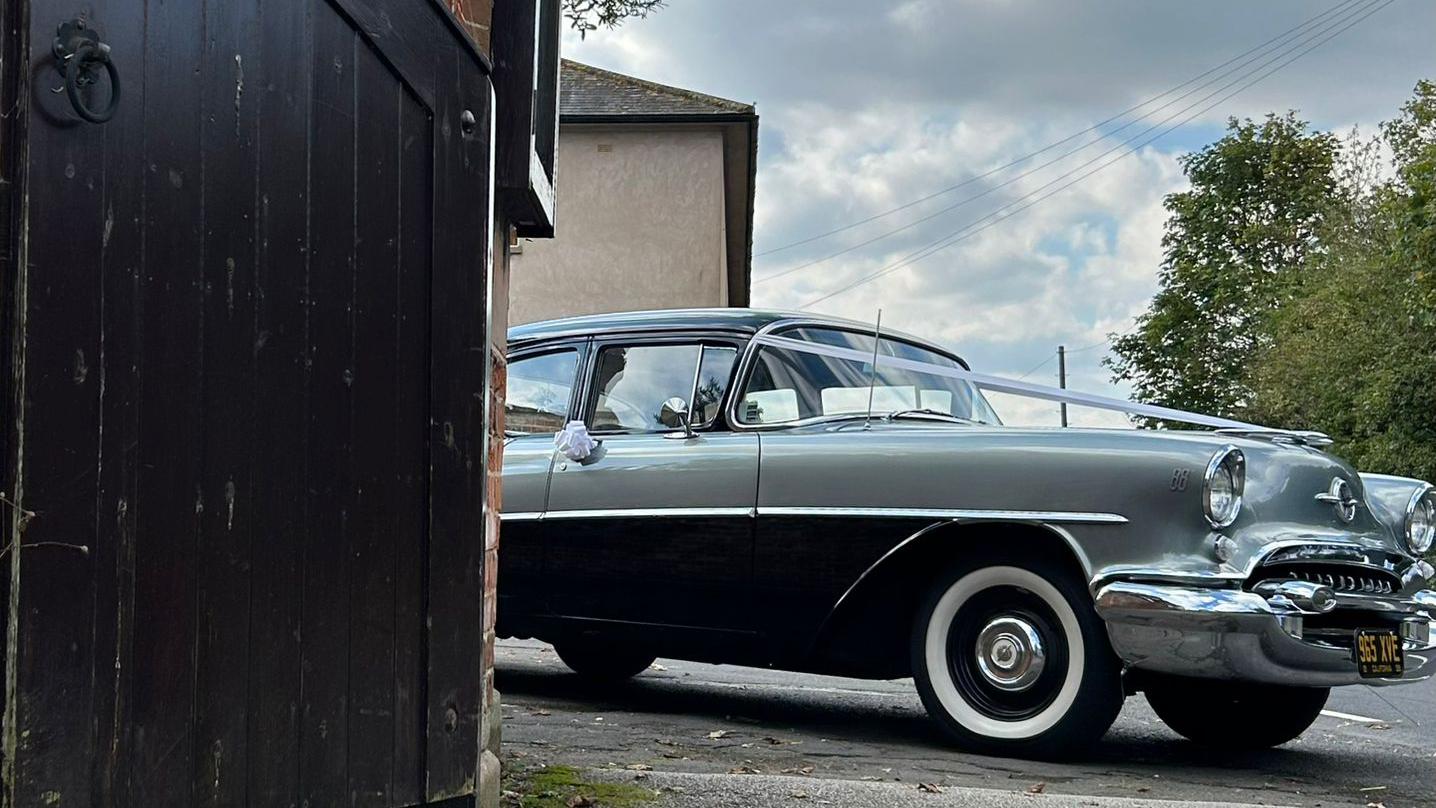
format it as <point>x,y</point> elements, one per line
<point>80,56</point>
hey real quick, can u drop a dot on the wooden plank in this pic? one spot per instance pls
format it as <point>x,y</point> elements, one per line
<point>170,446</point>
<point>376,340</point>
<point>326,624</point>
<point>403,34</point>
<point>279,400</point>
<point>411,382</point>
<point>457,385</point>
<point>58,443</point>
<point>120,269</point>
<point>228,126</point>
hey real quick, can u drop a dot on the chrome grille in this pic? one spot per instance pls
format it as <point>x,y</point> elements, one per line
<point>1340,577</point>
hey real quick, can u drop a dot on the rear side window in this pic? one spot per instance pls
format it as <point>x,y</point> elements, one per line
<point>539,391</point>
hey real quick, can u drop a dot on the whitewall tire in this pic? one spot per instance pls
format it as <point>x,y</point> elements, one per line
<point>1010,658</point>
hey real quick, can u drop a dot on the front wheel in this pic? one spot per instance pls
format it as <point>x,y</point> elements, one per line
<point>1234,714</point>
<point>1012,659</point>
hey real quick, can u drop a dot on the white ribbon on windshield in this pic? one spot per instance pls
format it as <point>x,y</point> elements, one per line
<point>1001,385</point>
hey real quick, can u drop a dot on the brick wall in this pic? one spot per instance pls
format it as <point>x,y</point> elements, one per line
<point>489,719</point>
<point>474,17</point>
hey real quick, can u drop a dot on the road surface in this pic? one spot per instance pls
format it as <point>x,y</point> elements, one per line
<point>847,736</point>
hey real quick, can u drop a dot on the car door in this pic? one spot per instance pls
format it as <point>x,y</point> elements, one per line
<point>655,528</point>
<point>541,396</point>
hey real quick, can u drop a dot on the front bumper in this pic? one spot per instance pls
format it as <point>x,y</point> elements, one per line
<point>1240,635</point>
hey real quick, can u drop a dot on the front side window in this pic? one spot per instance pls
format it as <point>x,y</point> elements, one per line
<point>631,382</point>
<point>789,385</point>
<point>539,390</point>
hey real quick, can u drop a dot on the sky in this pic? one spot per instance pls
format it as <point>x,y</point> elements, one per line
<point>867,106</point>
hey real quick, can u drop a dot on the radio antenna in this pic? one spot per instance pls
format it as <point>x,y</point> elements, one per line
<point>873,373</point>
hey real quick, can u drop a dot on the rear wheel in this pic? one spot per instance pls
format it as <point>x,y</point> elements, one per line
<point>1209,712</point>
<point>1010,658</point>
<point>603,661</point>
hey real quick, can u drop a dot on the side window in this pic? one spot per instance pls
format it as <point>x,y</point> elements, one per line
<point>713,374</point>
<point>539,390</point>
<point>633,381</point>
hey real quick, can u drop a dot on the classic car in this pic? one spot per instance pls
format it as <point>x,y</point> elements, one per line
<point>812,494</point>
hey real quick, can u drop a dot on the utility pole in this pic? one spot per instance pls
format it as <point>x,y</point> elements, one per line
<point>1062,377</point>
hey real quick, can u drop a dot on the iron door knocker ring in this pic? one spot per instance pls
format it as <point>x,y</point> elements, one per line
<point>78,55</point>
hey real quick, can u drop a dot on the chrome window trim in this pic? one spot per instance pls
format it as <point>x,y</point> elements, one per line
<point>588,399</point>
<point>954,514</point>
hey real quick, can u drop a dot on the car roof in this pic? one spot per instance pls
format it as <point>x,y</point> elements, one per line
<point>742,320</point>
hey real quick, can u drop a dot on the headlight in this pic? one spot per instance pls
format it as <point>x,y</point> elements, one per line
<point>1421,520</point>
<point>1222,488</point>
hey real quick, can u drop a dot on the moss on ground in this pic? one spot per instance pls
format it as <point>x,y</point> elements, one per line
<point>565,786</point>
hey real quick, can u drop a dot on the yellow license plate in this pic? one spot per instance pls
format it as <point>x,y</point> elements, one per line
<point>1378,653</point>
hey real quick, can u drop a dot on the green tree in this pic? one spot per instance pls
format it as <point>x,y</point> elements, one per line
<point>1232,249</point>
<point>1354,354</point>
<point>591,15</point>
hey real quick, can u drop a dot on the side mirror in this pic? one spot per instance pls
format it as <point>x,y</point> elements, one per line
<point>674,413</point>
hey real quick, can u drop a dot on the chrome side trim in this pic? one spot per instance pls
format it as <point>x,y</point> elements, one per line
<point>519,516</point>
<point>962,515</point>
<point>1071,517</point>
<point>647,513</point>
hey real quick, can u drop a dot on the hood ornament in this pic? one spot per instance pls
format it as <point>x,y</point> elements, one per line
<point>1339,496</point>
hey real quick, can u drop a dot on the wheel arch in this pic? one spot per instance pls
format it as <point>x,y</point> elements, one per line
<point>878,607</point>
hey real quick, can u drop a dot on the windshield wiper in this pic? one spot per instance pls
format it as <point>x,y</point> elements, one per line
<point>895,414</point>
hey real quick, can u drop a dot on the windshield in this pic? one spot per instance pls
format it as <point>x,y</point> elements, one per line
<point>788,385</point>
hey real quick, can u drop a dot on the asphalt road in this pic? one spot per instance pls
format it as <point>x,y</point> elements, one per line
<point>865,738</point>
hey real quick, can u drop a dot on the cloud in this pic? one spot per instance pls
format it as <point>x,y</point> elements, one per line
<point>868,106</point>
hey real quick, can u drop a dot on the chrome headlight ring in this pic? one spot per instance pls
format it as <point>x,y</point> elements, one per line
<point>1421,520</point>
<point>1223,485</point>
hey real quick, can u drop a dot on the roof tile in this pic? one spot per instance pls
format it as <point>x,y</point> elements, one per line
<point>590,91</point>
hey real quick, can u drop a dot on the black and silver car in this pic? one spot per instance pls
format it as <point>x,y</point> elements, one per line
<point>802,493</point>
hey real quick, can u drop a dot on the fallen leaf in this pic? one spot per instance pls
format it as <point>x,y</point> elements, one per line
<point>1143,788</point>
<point>718,733</point>
<point>1378,725</point>
<point>1037,788</point>
<point>639,767</point>
<point>929,788</point>
<point>799,795</point>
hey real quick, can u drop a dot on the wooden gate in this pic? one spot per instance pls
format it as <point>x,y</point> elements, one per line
<point>246,323</point>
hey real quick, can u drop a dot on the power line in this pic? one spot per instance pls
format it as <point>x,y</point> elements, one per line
<point>1301,40</point>
<point>932,247</point>
<point>1038,366</point>
<point>969,230</point>
<point>1055,144</point>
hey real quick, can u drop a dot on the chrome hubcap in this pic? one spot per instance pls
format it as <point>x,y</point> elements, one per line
<point>1009,653</point>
